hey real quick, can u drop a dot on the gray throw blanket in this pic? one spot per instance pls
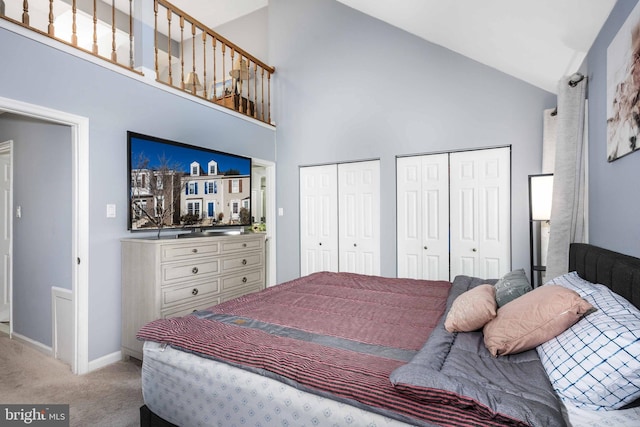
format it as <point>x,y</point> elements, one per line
<point>515,385</point>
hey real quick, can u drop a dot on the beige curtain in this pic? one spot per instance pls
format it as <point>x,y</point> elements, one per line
<point>568,211</point>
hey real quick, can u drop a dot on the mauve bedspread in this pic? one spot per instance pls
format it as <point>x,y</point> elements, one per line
<point>334,334</point>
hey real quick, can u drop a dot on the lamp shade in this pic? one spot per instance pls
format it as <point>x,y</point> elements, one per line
<point>240,69</point>
<point>541,193</point>
<point>193,81</point>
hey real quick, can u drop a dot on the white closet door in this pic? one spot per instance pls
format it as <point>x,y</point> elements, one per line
<point>423,216</point>
<point>359,217</point>
<point>318,219</point>
<point>480,213</point>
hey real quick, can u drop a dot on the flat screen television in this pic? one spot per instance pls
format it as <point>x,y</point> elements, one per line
<point>177,186</point>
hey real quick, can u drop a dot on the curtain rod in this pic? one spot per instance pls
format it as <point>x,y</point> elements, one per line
<point>575,79</point>
<point>573,82</point>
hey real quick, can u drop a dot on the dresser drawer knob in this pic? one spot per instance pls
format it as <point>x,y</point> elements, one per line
<point>244,245</point>
<point>244,280</point>
<point>194,291</point>
<point>244,262</point>
<point>194,250</point>
<point>194,270</point>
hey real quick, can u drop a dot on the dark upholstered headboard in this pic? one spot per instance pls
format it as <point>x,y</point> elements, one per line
<point>619,272</point>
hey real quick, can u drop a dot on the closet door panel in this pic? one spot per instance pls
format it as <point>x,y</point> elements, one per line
<point>422,185</point>
<point>318,219</point>
<point>480,213</point>
<point>464,215</point>
<point>359,217</point>
<point>495,212</point>
<point>409,217</point>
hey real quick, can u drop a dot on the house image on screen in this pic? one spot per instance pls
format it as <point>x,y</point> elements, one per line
<point>153,192</point>
<point>210,197</point>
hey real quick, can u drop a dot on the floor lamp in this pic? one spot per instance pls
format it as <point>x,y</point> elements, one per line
<point>540,196</point>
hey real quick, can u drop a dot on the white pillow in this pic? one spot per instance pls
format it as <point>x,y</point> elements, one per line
<point>594,364</point>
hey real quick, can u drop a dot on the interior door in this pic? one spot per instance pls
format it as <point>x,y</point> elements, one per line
<point>359,217</point>
<point>481,212</point>
<point>423,216</point>
<point>5,238</point>
<point>318,219</point>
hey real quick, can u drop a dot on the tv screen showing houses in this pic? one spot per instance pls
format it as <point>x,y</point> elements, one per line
<point>173,185</point>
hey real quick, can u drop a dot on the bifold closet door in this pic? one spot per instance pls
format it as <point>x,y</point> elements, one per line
<point>318,219</point>
<point>359,217</point>
<point>480,212</point>
<point>422,184</point>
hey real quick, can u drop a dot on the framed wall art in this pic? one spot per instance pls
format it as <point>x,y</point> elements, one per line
<point>623,89</point>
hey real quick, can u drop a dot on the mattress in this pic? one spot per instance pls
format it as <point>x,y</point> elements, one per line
<point>189,390</point>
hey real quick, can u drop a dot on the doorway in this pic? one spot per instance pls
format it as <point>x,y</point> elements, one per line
<point>263,210</point>
<point>80,217</point>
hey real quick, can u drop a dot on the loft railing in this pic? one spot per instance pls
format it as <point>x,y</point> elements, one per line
<point>189,56</point>
<point>93,26</point>
<point>192,57</point>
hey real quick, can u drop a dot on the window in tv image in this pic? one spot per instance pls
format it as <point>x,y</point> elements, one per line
<point>177,186</point>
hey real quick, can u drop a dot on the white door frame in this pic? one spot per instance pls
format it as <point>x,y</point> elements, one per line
<point>80,217</point>
<point>270,220</point>
<point>6,148</point>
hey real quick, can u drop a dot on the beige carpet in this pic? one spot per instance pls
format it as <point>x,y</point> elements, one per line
<point>110,396</point>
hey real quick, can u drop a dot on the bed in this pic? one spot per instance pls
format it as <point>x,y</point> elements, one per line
<point>318,358</point>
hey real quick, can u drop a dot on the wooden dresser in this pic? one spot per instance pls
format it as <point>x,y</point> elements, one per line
<point>174,277</point>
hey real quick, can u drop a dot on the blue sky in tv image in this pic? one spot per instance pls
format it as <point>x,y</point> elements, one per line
<point>184,154</point>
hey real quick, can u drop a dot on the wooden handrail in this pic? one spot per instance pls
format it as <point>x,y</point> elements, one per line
<point>252,100</point>
<point>218,37</point>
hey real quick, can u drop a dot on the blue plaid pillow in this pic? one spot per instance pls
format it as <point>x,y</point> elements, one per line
<point>575,283</point>
<point>594,364</point>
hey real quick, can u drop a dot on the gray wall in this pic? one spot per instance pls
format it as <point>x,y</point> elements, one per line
<point>41,237</point>
<point>350,87</point>
<point>255,41</point>
<point>114,103</point>
<point>614,194</point>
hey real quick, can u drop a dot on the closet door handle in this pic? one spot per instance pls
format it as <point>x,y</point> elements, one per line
<point>474,250</point>
<point>425,248</point>
<point>354,245</point>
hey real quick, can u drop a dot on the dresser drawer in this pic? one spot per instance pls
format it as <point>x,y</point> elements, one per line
<point>189,270</point>
<point>242,261</point>
<point>188,250</point>
<point>233,245</point>
<point>183,310</point>
<point>241,280</point>
<point>191,293</point>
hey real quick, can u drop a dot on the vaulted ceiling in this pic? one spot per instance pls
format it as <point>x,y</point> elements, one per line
<point>538,41</point>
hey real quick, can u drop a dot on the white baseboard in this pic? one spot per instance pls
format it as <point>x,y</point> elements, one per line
<point>98,363</point>
<point>103,361</point>
<point>33,344</point>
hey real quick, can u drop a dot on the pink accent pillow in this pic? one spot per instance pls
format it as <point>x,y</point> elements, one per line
<point>472,309</point>
<point>534,318</point>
